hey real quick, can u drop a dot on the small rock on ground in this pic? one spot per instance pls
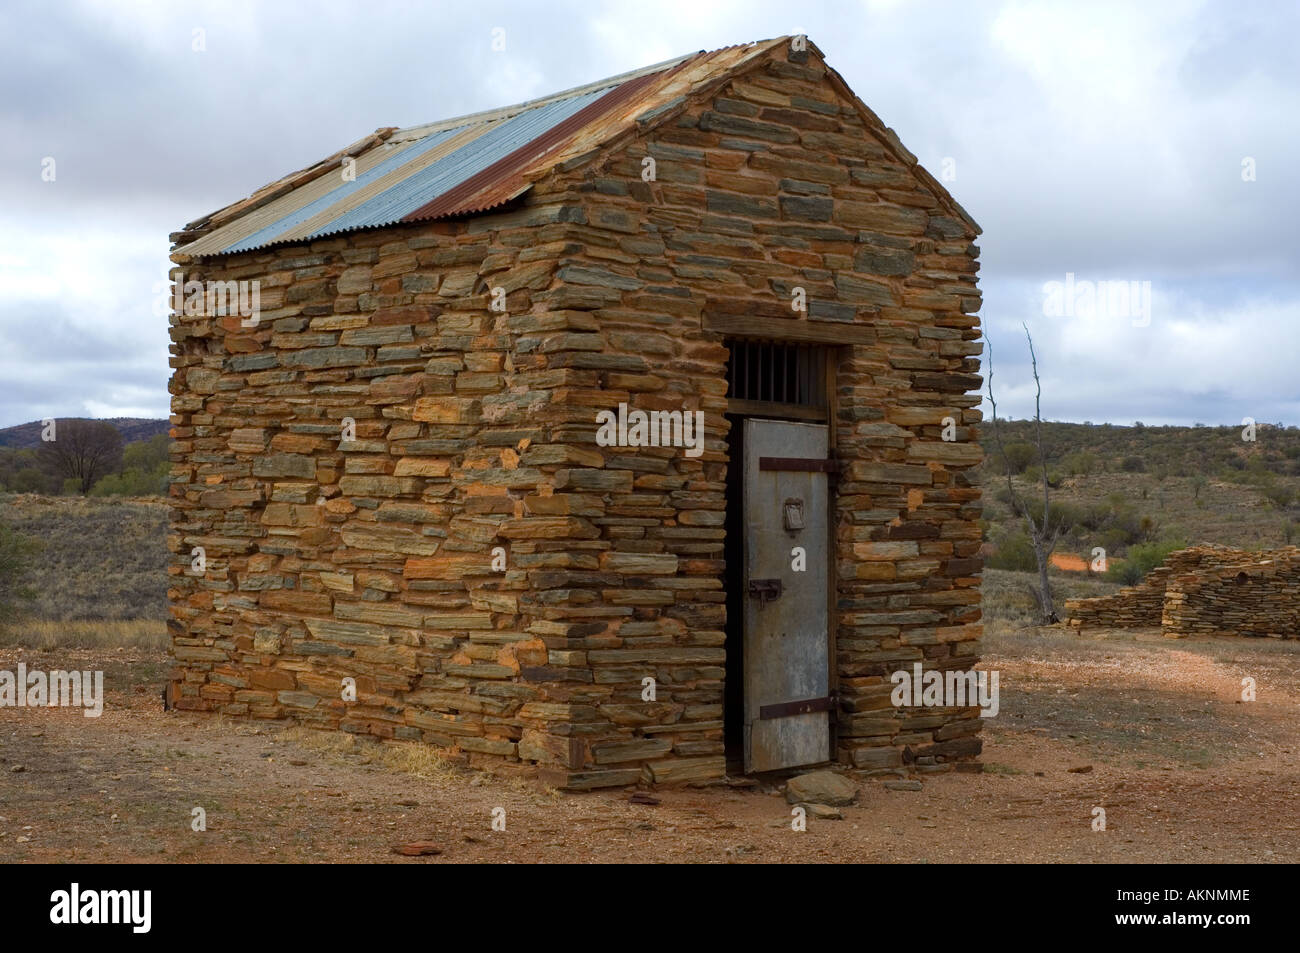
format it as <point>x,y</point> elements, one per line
<point>823,812</point>
<point>903,785</point>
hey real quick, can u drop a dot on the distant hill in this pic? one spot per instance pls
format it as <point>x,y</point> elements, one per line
<point>1136,489</point>
<point>28,436</point>
<point>1078,449</point>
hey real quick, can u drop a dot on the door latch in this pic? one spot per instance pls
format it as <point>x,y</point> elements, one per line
<point>792,513</point>
<point>764,590</point>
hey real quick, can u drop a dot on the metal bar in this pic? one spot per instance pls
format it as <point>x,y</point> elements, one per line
<point>763,408</point>
<point>752,328</point>
<point>788,709</point>
<point>747,384</point>
<point>805,361</point>
<point>800,464</point>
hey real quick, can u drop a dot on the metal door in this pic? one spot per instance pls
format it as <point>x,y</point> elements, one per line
<point>787,645</point>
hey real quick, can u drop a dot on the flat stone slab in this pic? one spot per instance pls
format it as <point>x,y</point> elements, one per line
<point>903,785</point>
<point>821,787</point>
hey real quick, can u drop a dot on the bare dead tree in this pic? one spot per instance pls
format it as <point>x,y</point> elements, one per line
<point>1043,533</point>
<point>84,450</point>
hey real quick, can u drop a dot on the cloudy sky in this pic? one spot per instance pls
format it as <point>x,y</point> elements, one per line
<point>1150,143</point>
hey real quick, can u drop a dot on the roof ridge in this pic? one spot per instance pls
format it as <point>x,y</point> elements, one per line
<point>507,111</point>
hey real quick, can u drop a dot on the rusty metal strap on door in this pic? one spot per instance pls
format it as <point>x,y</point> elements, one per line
<point>803,464</point>
<point>788,709</point>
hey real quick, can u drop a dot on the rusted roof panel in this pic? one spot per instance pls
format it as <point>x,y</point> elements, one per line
<point>502,180</point>
<point>455,167</point>
<point>462,166</point>
<point>286,226</point>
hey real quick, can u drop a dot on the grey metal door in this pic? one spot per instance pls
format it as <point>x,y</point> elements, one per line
<point>787,645</point>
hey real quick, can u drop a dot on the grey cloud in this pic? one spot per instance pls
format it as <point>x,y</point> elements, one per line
<point>1103,140</point>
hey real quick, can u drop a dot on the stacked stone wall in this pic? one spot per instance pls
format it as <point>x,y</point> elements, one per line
<point>1204,590</point>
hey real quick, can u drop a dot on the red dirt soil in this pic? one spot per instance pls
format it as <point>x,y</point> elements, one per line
<point>1185,771</point>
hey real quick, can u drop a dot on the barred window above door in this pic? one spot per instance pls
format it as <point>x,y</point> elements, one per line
<point>778,373</point>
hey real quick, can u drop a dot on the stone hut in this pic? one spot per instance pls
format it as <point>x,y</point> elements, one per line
<point>623,435</point>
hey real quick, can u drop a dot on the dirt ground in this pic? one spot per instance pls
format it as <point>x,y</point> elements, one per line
<point>1152,731</point>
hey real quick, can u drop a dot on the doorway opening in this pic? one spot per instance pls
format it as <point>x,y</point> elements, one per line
<point>767,380</point>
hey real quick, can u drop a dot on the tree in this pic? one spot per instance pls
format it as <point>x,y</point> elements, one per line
<point>147,455</point>
<point>82,450</point>
<point>1046,529</point>
<point>1018,454</point>
<point>145,468</point>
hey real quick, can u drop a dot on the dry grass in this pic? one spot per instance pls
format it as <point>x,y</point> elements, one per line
<point>100,559</point>
<point>1007,599</point>
<point>334,745</point>
<point>147,634</point>
<point>425,762</point>
<point>420,761</point>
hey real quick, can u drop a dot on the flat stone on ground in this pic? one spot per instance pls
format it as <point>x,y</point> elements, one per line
<point>820,787</point>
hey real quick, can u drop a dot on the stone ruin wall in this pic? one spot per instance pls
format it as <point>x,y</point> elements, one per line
<point>1258,597</point>
<point>1205,590</point>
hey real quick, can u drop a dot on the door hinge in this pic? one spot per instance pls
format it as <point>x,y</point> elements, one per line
<point>799,464</point>
<point>801,707</point>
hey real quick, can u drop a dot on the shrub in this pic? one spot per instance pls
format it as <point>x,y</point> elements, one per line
<point>1034,474</point>
<point>30,481</point>
<point>1279,497</point>
<point>1079,463</point>
<point>1140,560</point>
<point>15,565</point>
<point>1112,540</point>
<point>1069,516</point>
<point>1121,515</point>
<point>1019,455</point>
<point>1014,551</point>
<point>1133,464</point>
<point>133,482</point>
<point>147,455</point>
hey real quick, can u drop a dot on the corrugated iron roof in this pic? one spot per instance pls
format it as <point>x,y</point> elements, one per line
<point>459,166</point>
